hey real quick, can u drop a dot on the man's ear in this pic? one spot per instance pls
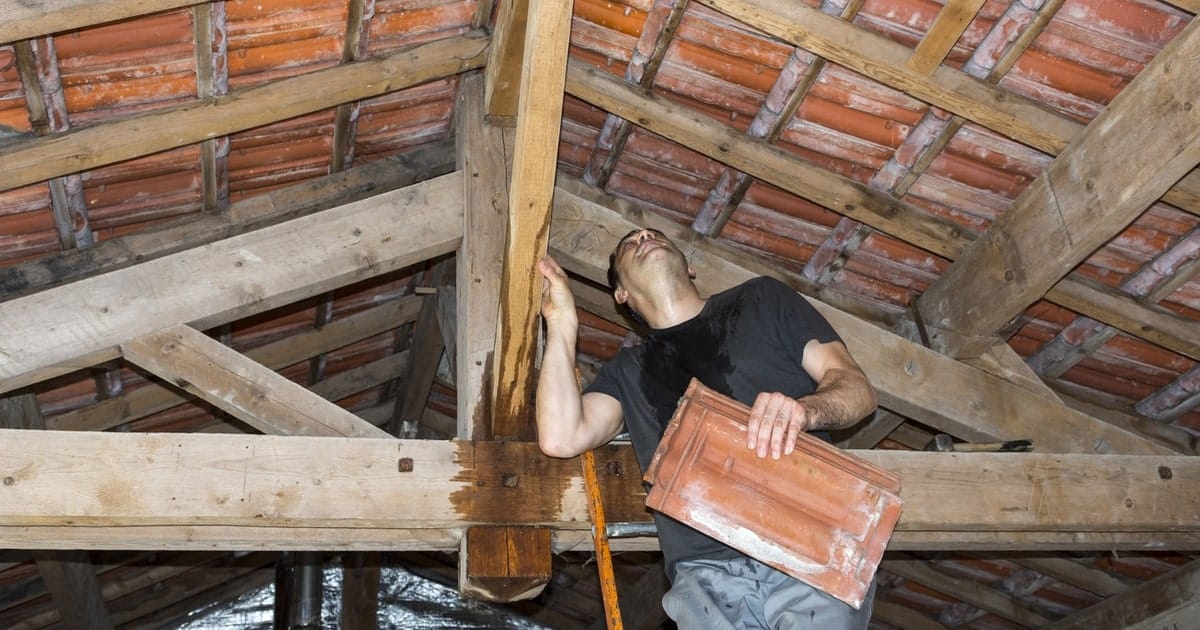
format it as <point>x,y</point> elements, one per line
<point>691,272</point>
<point>620,295</point>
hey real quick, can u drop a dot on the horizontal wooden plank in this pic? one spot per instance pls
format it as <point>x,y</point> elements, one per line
<point>223,281</point>
<point>100,481</point>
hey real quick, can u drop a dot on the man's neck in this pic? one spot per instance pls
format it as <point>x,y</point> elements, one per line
<point>674,311</point>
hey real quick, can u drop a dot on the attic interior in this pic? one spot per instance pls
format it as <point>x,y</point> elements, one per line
<point>244,246</point>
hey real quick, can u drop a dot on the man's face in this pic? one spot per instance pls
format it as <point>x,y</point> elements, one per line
<point>639,246</point>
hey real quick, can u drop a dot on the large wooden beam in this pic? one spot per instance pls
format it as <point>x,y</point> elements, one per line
<point>81,323</point>
<point>113,481</point>
<point>849,198</point>
<point>1092,191</point>
<point>539,118</point>
<point>249,391</point>
<point>911,379</point>
<point>87,148</point>
<point>483,159</point>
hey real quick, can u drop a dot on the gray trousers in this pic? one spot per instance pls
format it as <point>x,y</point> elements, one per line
<point>744,593</point>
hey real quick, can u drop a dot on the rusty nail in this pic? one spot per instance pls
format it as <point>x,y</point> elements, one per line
<point>510,480</point>
<point>8,481</point>
<point>406,464</point>
<point>1164,472</point>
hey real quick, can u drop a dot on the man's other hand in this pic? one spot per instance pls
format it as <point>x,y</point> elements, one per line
<point>775,423</point>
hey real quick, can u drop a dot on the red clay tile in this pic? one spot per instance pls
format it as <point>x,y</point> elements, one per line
<point>820,514</point>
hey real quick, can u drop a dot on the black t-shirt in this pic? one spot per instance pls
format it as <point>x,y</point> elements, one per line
<point>746,340</point>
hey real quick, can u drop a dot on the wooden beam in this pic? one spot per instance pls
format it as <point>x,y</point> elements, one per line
<point>483,160</point>
<point>238,385</point>
<point>964,590</point>
<point>503,71</point>
<point>1171,600</point>
<point>849,198</point>
<point>949,25</point>
<point>24,19</point>
<point>910,379</point>
<point>360,591</point>
<point>504,564</point>
<point>322,193</point>
<point>276,355</point>
<point>180,125</point>
<point>80,324</point>
<point>872,430</point>
<point>1077,574</point>
<point>67,574</point>
<point>72,480</point>
<point>539,118</point>
<point>71,580</point>
<point>1092,191</point>
<point>424,354</point>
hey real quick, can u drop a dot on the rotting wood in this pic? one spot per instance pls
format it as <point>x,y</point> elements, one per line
<point>241,275</point>
<point>244,108</point>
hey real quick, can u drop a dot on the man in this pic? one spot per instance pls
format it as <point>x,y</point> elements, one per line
<point>759,343</point>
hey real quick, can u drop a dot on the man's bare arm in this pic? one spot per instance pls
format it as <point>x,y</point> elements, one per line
<point>843,396</point>
<point>568,423</point>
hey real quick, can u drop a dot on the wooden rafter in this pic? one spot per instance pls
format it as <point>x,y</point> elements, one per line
<point>1091,192</point>
<point>503,73</point>
<point>81,324</point>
